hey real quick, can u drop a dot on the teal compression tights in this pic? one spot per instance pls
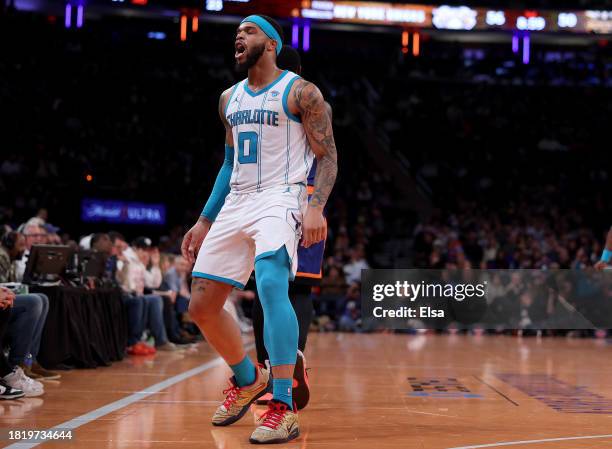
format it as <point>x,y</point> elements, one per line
<point>280,323</point>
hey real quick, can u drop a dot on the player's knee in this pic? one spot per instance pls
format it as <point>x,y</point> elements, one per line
<point>200,307</point>
<point>206,301</point>
<point>269,286</point>
<point>272,276</point>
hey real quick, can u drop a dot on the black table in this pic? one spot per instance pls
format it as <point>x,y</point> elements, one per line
<point>84,328</point>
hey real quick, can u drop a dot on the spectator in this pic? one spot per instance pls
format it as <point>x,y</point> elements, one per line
<point>352,270</point>
<point>333,284</point>
<point>350,320</point>
<point>175,280</point>
<point>141,274</point>
<point>7,391</point>
<point>34,234</point>
<point>101,242</point>
<point>168,296</point>
<point>28,316</point>
<point>52,236</point>
<point>116,269</point>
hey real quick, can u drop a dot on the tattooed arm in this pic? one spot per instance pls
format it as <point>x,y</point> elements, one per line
<point>307,102</point>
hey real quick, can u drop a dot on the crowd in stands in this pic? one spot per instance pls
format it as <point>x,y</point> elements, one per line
<point>516,168</point>
<point>509,156</point>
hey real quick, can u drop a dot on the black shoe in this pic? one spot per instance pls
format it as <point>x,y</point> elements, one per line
<point>181,341</point>
<point>8,392</point>
<point>301,390</point>
<point>187,336</point>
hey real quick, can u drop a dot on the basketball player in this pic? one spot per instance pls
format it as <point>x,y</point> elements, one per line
<point>276,123</point>
<point>606,256</point>
<point>309,273</point>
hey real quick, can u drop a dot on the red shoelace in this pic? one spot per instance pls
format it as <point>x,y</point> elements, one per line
<point>274,416</point>
<point>232,395</point>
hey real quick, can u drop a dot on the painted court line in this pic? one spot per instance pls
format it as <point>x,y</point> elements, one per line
<point>548,440</point>
<point>128,400</point>
<point>496,390</point>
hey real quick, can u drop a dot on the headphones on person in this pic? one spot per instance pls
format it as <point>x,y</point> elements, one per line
<point>9,240</point>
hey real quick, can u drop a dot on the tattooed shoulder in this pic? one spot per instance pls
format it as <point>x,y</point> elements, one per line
<point>307,96</point>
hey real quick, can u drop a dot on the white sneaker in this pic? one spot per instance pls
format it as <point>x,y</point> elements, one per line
<point>17,379</point>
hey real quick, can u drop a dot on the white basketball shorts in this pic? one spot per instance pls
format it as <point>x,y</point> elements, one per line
<point>249,227</point>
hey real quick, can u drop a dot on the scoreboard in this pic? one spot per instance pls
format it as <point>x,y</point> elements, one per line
<point>443,17</point>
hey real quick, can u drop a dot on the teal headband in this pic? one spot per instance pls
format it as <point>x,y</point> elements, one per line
<point>267,28</point>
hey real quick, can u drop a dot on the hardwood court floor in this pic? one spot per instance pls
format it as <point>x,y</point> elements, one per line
<point>368,391</point>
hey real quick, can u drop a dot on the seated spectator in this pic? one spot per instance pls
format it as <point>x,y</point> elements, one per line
<point>141,274</point>
<point>168,296</point>
<point>119,245</point>
<point>14,376</point>
<point>27,322</point>
<point>117,269</point>
<point>102,243</point>
<point>28,315</point>
<point>350,319</point>
<point>352,270</point>
<point>333,286</point>
<point>7,391</point>
<point>52,237</point>
<point>34,234</point>
<point>176,278</point>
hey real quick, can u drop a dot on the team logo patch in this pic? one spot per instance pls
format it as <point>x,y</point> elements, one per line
<point>274,93</point>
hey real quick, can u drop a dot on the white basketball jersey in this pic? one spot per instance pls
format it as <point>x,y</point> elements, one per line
<point>270,145</point>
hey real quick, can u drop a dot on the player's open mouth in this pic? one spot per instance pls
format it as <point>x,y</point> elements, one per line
<point>240,49</point>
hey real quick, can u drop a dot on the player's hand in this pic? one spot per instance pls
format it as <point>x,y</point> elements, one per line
<point>194,238</point>
<point>314,227</point>
<point>601,265</point>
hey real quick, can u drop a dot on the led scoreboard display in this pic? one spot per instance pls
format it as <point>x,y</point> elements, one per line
<point>443,17</point>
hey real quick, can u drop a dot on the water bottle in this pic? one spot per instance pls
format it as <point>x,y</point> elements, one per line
<point>28,361</point>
